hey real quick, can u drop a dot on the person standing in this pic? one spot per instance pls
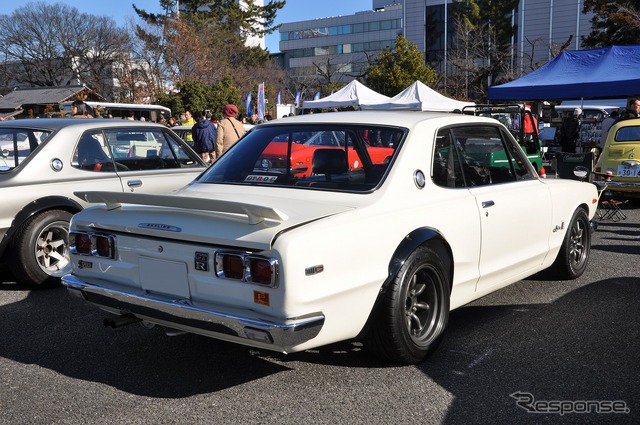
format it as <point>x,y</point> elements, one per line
<point>188,121</point>
<point>204,137</point>
<point>79,109</point>
<point>229,129</point>
<point>570,131</point>
<point>633,109</point>
<point>605,126</point>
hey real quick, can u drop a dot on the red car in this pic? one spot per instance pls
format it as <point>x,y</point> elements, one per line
<point>274,158</point>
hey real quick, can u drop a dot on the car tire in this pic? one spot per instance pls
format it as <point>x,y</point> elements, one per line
<point>40,249</point>
<point>573,257</point>
<point>415,310</point>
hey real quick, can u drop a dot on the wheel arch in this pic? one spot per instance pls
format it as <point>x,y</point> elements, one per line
<point>35,207</point>
<point>408,245</point>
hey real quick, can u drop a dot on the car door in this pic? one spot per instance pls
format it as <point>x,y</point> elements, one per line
<point>152,160</point>
<point>93,166</point>
<point>513,204</point>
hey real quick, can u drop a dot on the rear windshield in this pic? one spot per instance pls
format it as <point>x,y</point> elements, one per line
<point>628,134</point>
<point>17,144</point>
<point>329,157</point>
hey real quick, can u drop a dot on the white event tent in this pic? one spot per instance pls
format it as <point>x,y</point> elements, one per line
<point>353,94</point>
<point>419,97</point>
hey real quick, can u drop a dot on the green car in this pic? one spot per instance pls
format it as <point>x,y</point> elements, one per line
<point>514,117</point>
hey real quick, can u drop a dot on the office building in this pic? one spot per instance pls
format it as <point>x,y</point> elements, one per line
<point>342,46</point>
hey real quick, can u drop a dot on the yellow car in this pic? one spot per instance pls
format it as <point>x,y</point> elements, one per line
<point>620,158</point>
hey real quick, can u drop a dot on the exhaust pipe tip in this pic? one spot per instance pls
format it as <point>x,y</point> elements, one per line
<point>117,322</point>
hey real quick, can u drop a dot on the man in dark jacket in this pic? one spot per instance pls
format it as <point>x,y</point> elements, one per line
<point>204,137</point>
<point>633,109</point>
<point>570,131</point>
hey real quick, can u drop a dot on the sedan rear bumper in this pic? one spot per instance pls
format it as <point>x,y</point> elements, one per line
<point>183,315</point>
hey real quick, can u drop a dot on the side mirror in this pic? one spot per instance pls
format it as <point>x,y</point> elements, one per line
<point>581,172</point>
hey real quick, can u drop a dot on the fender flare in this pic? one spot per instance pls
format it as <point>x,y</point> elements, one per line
<point>408,245</point>
<point>34,207</point>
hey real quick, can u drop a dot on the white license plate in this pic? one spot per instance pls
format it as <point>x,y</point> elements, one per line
<point>166,277</point>
<point>626,171</point>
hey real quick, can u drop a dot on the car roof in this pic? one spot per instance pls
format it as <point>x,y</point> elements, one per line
<point>53,124</point>
<point>404,118</point>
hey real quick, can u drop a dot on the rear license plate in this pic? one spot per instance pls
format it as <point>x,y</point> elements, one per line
<point>166,277</point>
<point>626,171</point>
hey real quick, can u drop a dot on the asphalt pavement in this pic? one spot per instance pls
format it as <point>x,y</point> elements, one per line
<point>539,351</point>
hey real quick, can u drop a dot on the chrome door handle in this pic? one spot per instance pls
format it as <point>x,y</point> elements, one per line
<point>487,204</point>
<point>134,183</point>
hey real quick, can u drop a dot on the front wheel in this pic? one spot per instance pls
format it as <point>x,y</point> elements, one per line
<point>415,310</point>
<point>41,249</point>
<point>576,246</point>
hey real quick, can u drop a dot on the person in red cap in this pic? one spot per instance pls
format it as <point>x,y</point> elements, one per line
<point>229,129</point>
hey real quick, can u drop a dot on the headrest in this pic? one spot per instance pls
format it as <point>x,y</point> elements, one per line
<point>329,161</point>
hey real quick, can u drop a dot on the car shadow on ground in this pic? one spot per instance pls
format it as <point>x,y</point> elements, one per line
<point>62,333</point>
<point>584,346</point>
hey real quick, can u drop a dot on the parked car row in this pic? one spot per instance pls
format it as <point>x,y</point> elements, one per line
<point>367,225</point>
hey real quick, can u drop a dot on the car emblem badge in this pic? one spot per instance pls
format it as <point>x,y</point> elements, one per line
<point>201,262</point>
<point>314,270</point>
<point>85,264</point>
<point>160,226</point>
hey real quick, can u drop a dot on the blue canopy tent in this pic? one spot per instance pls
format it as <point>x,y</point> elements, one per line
<point>607,73</point>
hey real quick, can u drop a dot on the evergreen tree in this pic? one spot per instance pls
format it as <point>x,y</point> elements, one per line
<point>613,23</point>
<point>395,70</point>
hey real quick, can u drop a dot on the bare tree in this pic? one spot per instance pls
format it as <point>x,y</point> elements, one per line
<point>54,44</point>
<point>466,60</point>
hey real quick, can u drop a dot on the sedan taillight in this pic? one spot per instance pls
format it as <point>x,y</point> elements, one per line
<point>92,244</point>
<point>247,268</point>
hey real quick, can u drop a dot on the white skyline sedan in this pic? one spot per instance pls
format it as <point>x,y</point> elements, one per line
<point>388,225</point>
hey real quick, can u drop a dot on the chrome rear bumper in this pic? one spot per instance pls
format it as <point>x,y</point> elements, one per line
<point>183,315</point>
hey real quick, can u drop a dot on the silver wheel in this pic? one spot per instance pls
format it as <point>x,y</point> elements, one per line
<point>40,254</point>
<point>52,249</point>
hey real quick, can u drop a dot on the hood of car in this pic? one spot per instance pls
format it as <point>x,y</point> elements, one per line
<point>212,220</point>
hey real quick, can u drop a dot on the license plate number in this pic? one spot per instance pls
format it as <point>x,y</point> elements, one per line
<point>626,171</point>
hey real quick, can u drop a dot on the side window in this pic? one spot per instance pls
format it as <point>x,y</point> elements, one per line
<point>146,149</point>
<point>446,170</point>
<point>175,153</point>
<point>484,159</point>
<point>519,161</point>
<point>17,144</point>
<point>470,156</point>
<point>92,153</point>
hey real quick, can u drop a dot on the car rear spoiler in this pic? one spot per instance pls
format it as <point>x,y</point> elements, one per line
<point>255,213</point>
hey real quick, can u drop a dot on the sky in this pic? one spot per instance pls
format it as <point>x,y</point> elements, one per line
<point>294,10</point>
